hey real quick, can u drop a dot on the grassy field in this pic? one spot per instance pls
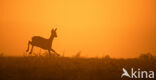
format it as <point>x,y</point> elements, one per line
<point>65,68</point>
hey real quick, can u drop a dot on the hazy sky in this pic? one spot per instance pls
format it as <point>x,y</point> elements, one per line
<point>119,28</point>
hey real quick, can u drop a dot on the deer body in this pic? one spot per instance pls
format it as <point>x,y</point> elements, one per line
<point>43,43</point>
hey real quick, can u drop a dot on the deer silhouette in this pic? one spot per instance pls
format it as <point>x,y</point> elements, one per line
<point>43,43</point>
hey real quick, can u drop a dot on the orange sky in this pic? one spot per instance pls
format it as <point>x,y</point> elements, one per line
<point>119,28</point>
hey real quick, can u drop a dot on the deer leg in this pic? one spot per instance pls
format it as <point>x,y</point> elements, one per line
<point>28,45</point>
<point>49,52</point>
<point>31,49</point>
<point>55,52</point>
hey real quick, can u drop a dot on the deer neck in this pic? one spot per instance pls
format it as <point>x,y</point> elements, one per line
<point>51,39</point>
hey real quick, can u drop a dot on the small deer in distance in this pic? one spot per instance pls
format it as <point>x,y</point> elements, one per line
<point>43,43</point>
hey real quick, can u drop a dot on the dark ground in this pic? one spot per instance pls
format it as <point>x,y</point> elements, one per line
<point>63,68</point>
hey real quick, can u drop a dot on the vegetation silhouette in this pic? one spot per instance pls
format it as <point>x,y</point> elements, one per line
<point>43,43</point>
<point>72,68</point>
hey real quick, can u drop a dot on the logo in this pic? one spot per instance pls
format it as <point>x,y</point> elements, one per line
<point>137,74</point>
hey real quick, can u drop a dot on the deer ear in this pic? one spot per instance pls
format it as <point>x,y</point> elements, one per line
<point>52,30</point>
<point>55,29</point>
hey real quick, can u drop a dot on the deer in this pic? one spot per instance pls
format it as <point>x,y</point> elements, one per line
<point>43,43</point>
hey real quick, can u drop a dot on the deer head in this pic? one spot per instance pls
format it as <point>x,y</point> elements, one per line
<point>53,32</point>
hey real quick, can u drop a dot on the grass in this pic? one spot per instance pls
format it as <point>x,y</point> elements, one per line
<point>65,68</point>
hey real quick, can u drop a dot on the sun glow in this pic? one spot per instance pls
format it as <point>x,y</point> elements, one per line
<point>120,28</point>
